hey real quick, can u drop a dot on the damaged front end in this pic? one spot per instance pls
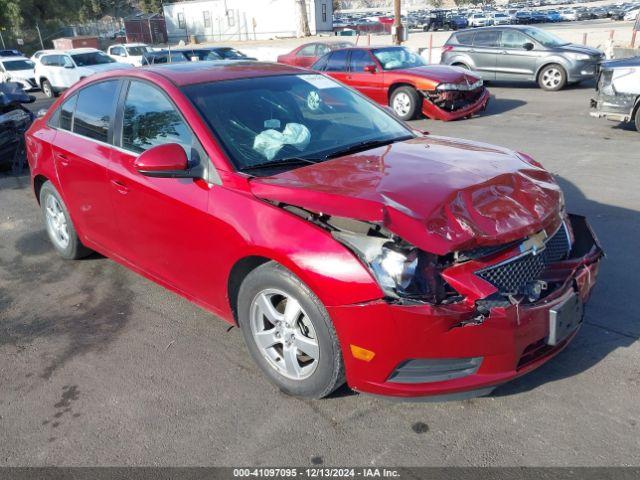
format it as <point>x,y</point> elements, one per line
<point>459,324</point>
<point>617,91</point>
<point>450,101</point>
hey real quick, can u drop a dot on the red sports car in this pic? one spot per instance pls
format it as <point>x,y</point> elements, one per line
<point>307,54</point>
<point>344,244</point>
<point>397,77</point>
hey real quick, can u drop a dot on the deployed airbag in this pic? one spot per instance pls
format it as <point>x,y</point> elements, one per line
<point>269,142</point>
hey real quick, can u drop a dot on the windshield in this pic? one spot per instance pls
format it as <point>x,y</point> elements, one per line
<point>18,65</point>
<point>395,58</point>
<point>270,119</point>
<point>137,51</point>
<point>545,38</point>
<point>230,53</point>
<point>91,58</point>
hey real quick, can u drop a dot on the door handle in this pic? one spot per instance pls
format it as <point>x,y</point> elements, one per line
<point>120,187</point>
<point>62,158</point>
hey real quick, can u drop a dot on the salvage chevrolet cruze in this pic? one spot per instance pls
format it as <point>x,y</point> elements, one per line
<point>345,245</point>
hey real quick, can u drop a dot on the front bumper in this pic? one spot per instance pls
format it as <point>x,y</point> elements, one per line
<point>511,341</point>
<point>434,112</point>
<point>583,70</point>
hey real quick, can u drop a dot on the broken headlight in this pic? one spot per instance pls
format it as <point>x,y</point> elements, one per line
<point>401,270</point>
<point>462,87</point>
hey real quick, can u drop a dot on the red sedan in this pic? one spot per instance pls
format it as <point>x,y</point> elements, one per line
<point>399,78</point>
<point>307,54</point>
<point>345,245</point>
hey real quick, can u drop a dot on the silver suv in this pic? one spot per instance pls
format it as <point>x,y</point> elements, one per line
<point>521,53</point>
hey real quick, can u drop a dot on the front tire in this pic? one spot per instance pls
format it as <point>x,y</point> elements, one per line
<point>552,78</point>
<point>48,90</point>
<point>404,102</point>
<point>60,229</point>
<point>289,333</point>
<point>637,118</point>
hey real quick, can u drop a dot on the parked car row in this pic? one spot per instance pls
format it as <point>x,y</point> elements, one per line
<point>513,13</point>
<point>53,71</point>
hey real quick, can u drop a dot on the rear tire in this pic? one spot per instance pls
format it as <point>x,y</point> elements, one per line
<point>48,90</point>
<point>637,119</point>
<point>60,229</point>
<point>404,102</point>
<point>552,78</point>
<point>289,333</point>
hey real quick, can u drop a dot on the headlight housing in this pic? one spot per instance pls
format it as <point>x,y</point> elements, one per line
<point>578,56</point>
<point>401,270</point>
<point>462,87</point>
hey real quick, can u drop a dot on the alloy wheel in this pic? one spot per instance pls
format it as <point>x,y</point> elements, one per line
<point>56,222</point>
<point>551,78</point>
<point>401,104</point>
<point>284,334</point>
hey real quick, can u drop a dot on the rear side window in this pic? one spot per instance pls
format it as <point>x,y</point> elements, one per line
<point>308,51</point>
<point>337,61</point>
<point>321,64</point>
<point>66,113</point>
<point>150,119</point>
<point>487,38</point>
<point>465,38</point>
<point>94,110</point>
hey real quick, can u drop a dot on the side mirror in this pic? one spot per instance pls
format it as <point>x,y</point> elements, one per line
<point>370,69</point>
<point>528,46</point>
<point>164,161</point>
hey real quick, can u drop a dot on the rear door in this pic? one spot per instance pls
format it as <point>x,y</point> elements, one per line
<point>370,84</point>
<point>485,52</point>
<point>81,153</point>
<point>514,62</point>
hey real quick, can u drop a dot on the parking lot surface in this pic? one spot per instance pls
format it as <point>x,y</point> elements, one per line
<point>99,366</point>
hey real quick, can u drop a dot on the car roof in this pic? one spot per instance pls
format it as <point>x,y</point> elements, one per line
<point>189,73</point>
<point>10,58</point>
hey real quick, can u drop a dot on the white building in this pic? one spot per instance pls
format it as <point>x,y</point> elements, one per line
<point>220,20</point>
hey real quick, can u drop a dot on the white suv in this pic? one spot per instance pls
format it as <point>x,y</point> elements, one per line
<point>18,70</point>
<point>57,71</point>
<point>128,53</point>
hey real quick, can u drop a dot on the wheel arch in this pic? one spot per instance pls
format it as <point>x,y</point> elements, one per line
<point>394,86</point>
<point>38,181</point>
<point>239,271</point>
<point>548,62</point>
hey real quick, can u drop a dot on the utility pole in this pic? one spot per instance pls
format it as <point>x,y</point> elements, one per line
<point>40,36</point>
<point>397,22</point>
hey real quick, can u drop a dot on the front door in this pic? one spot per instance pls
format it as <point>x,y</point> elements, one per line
<point>81,154</point>
<point>514,61</point>
<point>164,221</point>
<point>369,83</point>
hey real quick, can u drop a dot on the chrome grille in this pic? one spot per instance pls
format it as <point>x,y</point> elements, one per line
<point>513,276</point>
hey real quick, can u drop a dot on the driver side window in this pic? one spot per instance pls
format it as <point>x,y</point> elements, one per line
<point>150,119</point>
<point>513,39</point>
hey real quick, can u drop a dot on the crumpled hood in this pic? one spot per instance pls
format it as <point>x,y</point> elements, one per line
<point>440,74</point>
<point>437,193</point>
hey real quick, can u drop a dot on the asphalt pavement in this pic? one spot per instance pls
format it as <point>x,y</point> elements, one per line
<point>99,366</point>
